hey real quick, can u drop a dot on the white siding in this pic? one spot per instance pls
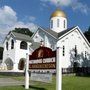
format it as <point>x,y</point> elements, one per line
<point>69,42</point>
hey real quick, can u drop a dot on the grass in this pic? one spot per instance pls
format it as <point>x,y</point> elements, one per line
<point>76,83</point>
<point>69,83</point>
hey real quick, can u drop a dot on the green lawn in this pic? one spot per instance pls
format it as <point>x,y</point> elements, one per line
<point>76,83</point>
<point>69,83</point>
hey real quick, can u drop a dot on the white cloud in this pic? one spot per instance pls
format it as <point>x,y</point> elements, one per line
<point>32,18</point>
<point>9,20</point>
<point>81,7</point>
<point>75,4</point>
<point>7,16</point>
<point>59,2</point>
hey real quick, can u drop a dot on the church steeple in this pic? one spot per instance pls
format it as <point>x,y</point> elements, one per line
<point>58,21</point>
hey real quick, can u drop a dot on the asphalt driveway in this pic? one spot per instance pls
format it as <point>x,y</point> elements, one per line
<point>10,82</point>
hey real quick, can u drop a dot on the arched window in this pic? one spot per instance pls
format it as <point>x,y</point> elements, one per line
<point>9,63</point>
<point>51,23</point>
<point>12,44</point>
<point>64,23</point>
<point>7,45</point>
<point>21,64</point>
<point>57,22</point>
<point>23,45</point>
<point>63,50</point>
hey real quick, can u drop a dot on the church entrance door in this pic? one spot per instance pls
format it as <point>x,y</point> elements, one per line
<point>9,63</point>
<point>21,64</point>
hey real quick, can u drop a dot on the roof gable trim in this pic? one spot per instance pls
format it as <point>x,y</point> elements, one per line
<point>44,31</point>
<point>67,33</point>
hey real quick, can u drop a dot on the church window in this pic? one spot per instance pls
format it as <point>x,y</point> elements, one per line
<point>7,45</point>
<point>36,36</point>
<point>23,45</point>
<point>57,22</point>
<point>51,23</point>
<point>75,51</point>
<point>64,23</point>
<point>85,54</point>
<point>12,44</point>
<point>63,50</point>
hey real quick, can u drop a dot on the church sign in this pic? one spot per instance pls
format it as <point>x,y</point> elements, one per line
<point>47,63</point>
<point>42,58</point>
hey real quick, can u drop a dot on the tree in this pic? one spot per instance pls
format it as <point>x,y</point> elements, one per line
<point>87,34</point>
<point>25,31</point>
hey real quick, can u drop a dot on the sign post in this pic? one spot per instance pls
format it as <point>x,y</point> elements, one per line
<point>58,70</point>
<point>27,72</point>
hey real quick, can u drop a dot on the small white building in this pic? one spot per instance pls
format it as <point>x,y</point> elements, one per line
<point>16,46</point>
<point>74,47</point>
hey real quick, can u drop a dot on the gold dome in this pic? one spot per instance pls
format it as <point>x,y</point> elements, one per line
<point>58,13</point>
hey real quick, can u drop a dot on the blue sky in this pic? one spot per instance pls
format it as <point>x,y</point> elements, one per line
<point>29,13</point>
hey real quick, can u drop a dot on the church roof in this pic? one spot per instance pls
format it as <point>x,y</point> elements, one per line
<point>35,45</point>
<point>52,33</point>
<point>21,36</point>
<point>57,35</point>
<point>65,31</point>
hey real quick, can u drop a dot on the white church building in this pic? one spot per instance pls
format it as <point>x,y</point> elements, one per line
<point>74,47</point>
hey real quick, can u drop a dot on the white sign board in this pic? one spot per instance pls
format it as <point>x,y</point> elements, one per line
<point>44,60</point>
<point>43,77</point>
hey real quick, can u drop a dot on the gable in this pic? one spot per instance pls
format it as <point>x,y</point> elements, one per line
<point>65,31</point>
<point>49,32</point>
<point>52,33</point>
<point>8,36</point>
<point>78,31</point>
<point>17,36</point>
<point>20,36</point>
